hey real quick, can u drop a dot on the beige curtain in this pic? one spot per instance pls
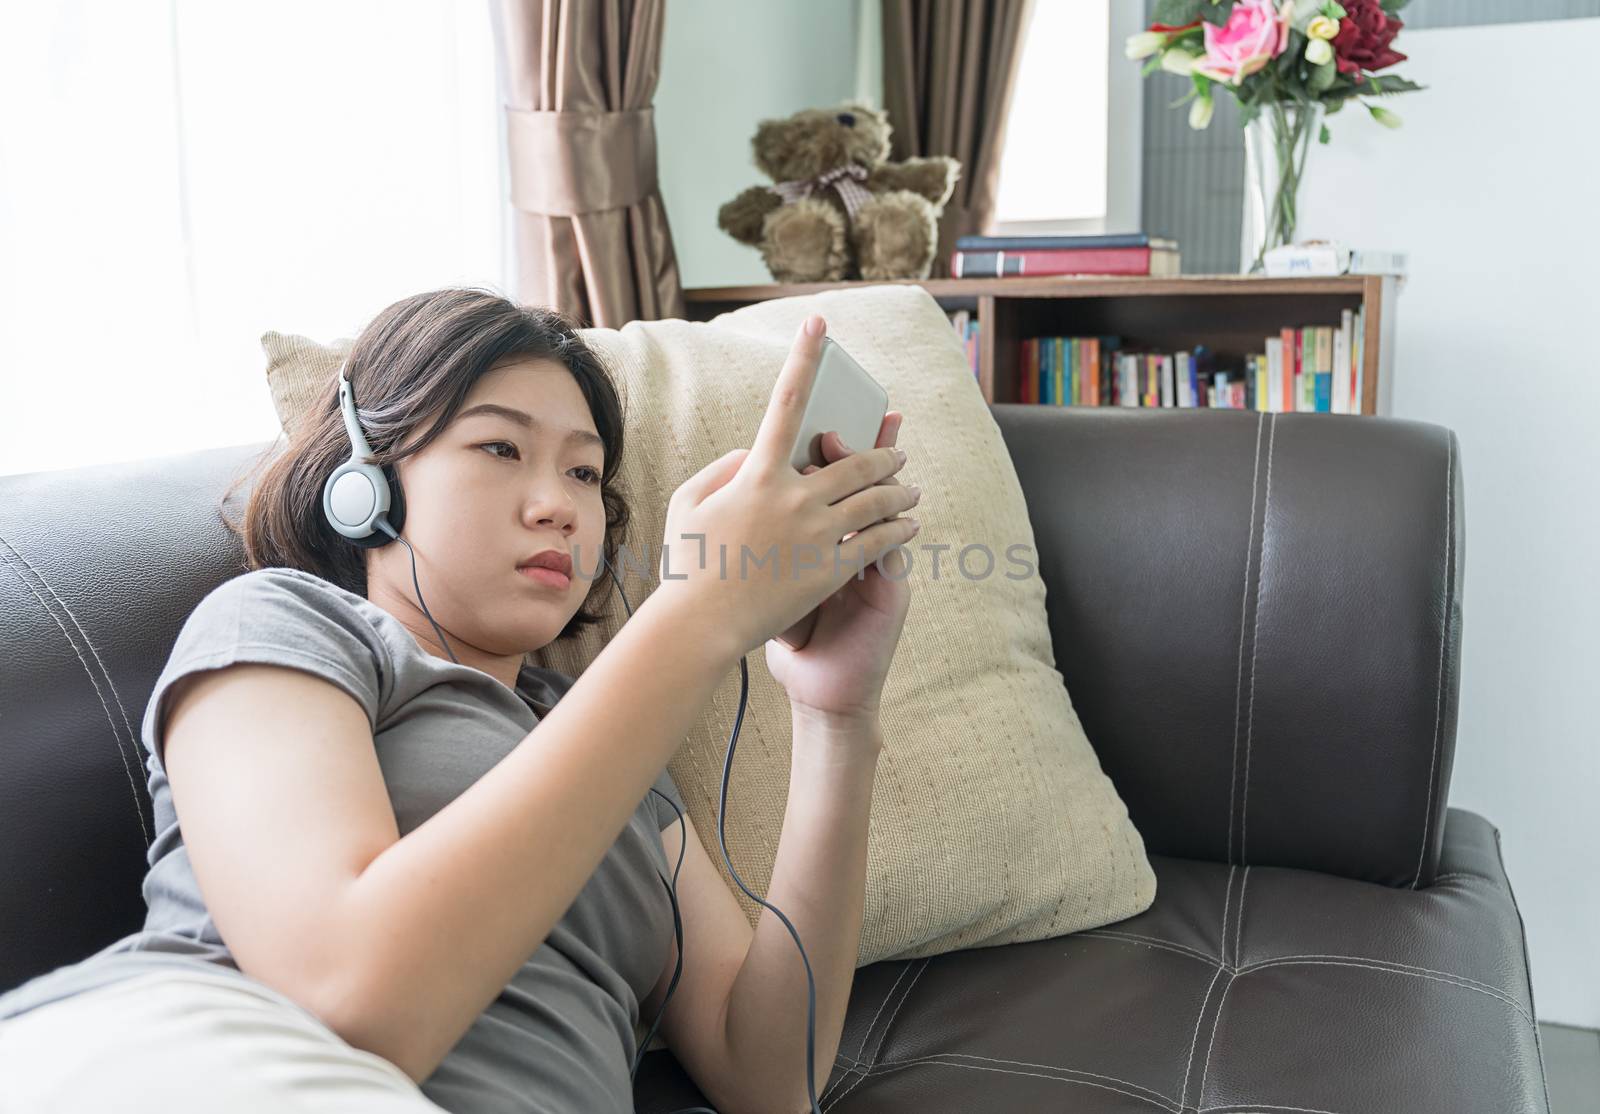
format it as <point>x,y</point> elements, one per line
<point>577,78</point>
<point>949,67</point>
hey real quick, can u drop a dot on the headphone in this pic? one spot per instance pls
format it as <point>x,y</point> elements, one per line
<point>357,498</point>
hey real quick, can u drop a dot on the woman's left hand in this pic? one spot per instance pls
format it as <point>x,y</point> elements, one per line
<point>839,673</point>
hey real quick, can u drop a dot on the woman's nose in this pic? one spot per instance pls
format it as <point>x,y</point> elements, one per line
<point>552,507</point>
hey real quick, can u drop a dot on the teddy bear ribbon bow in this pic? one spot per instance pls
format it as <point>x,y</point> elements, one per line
<point>846,180</point>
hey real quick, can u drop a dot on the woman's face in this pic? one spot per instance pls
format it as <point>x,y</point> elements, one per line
<point>493,489</point>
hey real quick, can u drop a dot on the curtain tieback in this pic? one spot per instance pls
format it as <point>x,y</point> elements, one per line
<point>580,161</point>
<point>845,180</point>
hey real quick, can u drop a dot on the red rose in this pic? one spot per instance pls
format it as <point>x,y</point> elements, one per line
<point>1364,36</point>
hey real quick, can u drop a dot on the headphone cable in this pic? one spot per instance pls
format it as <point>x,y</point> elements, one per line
<point>672,887</point>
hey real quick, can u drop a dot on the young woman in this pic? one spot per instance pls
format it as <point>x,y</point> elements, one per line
<point>415,872</point>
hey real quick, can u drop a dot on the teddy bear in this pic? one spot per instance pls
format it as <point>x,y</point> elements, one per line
<point>839,210</point>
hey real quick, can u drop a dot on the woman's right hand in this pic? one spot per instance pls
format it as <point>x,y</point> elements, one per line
<point>768,548</point>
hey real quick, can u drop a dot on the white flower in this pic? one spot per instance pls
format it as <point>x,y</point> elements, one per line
<point>1180,62</point>
<point>1144,44</point>
<point>1319,52</point>
<point>1322,28</point>
<point>1384,116</point>
<point>1200,113</point>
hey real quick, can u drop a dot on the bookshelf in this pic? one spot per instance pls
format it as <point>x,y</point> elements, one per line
<point>1232,314</point>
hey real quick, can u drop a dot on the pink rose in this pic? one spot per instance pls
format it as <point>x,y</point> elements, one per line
<point>1256,33</point>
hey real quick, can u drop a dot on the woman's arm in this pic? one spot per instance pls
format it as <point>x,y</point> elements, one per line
<point>436,924</point>
<point>819,881</point>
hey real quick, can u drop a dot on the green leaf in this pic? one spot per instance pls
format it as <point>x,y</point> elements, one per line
<point>1325,136</point>
<point>1334,10</point>
<point>1217,12</point>
<point>1248,112</point>
<point>1322,77</point>
<point>1391,85</point>
<point>1176,13</point>
<point>1390,7</point>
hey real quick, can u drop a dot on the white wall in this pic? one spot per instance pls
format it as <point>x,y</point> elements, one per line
<point>1490,186</point>
<point>726,65</point>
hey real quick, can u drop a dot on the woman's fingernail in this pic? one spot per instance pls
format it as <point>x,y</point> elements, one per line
<point>814,326</point>
<point>901,453</point>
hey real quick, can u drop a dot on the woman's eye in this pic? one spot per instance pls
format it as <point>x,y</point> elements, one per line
<point>590,475</point>
<point>492,444</point>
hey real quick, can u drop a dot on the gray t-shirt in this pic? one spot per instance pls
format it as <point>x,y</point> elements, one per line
<point>562,1034</point>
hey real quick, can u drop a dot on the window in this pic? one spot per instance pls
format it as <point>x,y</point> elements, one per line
<point>176,179</point>
<point>1070,160</point>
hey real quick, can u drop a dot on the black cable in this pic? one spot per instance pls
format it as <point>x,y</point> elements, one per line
<point>672,887</point>
<point>383,524</point>
<point>677,922</point>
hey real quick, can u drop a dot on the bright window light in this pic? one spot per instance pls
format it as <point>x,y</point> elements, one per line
<point>177,178</point>
<point>1053,163</point>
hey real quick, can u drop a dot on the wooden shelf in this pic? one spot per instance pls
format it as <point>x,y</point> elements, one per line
<point>1232,314</point>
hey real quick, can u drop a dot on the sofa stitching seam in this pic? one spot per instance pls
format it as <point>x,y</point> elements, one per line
<point>901,1065</point>
<point>1030,1064</point>
<point>1244,609</point>
<point>884,1036</point>
<point>1194,1041</point>
<point>1255,638</point>
<point>1401,969</point>
<point>117,736</point>
<point>867,1035</point>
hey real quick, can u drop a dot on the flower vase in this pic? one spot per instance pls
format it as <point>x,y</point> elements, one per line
<point>1276,145</point>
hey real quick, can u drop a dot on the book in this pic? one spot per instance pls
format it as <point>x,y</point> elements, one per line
<point>1098,261</point>
<point>1324,257</point>
<point>1024,243</point>
<point>1325,368</point>
<point>965,322</point>
<point>1313,368</point>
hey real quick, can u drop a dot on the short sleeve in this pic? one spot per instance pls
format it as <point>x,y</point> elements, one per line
<point>274,616</point>
<point>665,817</point>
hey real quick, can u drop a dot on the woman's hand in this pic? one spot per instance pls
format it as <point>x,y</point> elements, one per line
<point>751,545</point>
<point>838,676</point>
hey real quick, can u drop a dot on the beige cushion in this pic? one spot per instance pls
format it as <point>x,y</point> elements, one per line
<point>992,821</point>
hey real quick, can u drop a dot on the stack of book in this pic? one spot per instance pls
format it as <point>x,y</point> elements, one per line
<point>1314,368</point>
<point>1014,256</point>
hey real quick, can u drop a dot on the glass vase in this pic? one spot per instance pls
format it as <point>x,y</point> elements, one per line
<point>1276,145</point>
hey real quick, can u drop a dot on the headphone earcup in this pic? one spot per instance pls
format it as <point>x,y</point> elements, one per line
<point>356,497</point>
<point>395,516</point>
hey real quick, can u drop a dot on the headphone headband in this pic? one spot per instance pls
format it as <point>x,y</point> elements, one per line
<point>347,407</point>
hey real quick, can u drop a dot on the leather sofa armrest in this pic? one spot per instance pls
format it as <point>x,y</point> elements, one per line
<point>1258,619</point>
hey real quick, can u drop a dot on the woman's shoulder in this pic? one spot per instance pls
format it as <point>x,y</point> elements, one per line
<point>280,581</point>
<point>282,616</point>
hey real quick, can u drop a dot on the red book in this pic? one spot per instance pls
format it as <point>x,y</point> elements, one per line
<point>1287,369</point>
<point>1063,261</point>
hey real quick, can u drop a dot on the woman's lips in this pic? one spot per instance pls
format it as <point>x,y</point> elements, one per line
<point>548,577</point>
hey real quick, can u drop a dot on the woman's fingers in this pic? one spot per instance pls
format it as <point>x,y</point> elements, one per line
<point>878,503</point>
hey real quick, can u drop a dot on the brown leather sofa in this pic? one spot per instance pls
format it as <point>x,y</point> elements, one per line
<point>1259,621</point>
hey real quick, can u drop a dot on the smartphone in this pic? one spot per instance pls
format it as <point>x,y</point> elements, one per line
<point>846,399</point>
